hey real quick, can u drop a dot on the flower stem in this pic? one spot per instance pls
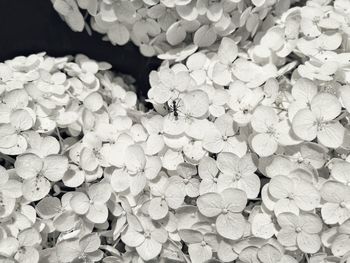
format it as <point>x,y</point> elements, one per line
<point>7,158</point>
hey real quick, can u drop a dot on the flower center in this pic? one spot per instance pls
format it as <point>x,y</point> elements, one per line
<point>97,153</point>
<point>320,124</point>
<point>47,95</point>
<point>272,131</point>
<point>300,159</point>
<point>315,20</point>
<point>291,196</point>
<point>236,177</point>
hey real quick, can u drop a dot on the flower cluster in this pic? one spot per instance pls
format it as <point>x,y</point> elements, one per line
<point>168,27</point>
<point>318,34</point>
<point>245,156</point>
<point>238,120</point>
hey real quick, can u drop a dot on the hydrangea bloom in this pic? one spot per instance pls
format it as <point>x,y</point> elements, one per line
<point>167,27</point>
<point>244,156</point>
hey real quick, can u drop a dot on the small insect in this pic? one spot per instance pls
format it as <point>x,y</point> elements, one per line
<point>174,107</point>
<point>176,114</point>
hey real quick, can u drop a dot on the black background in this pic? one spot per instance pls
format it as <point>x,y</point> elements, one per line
<point>32,26</point>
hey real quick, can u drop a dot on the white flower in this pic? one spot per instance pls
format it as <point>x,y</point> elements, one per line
<point>319,120</point>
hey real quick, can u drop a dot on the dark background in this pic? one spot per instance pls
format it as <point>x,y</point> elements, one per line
<point>32,26</point>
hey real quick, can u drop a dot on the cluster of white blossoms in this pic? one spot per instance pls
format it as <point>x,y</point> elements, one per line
<point>245,156</point>
<point>175,26</point>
